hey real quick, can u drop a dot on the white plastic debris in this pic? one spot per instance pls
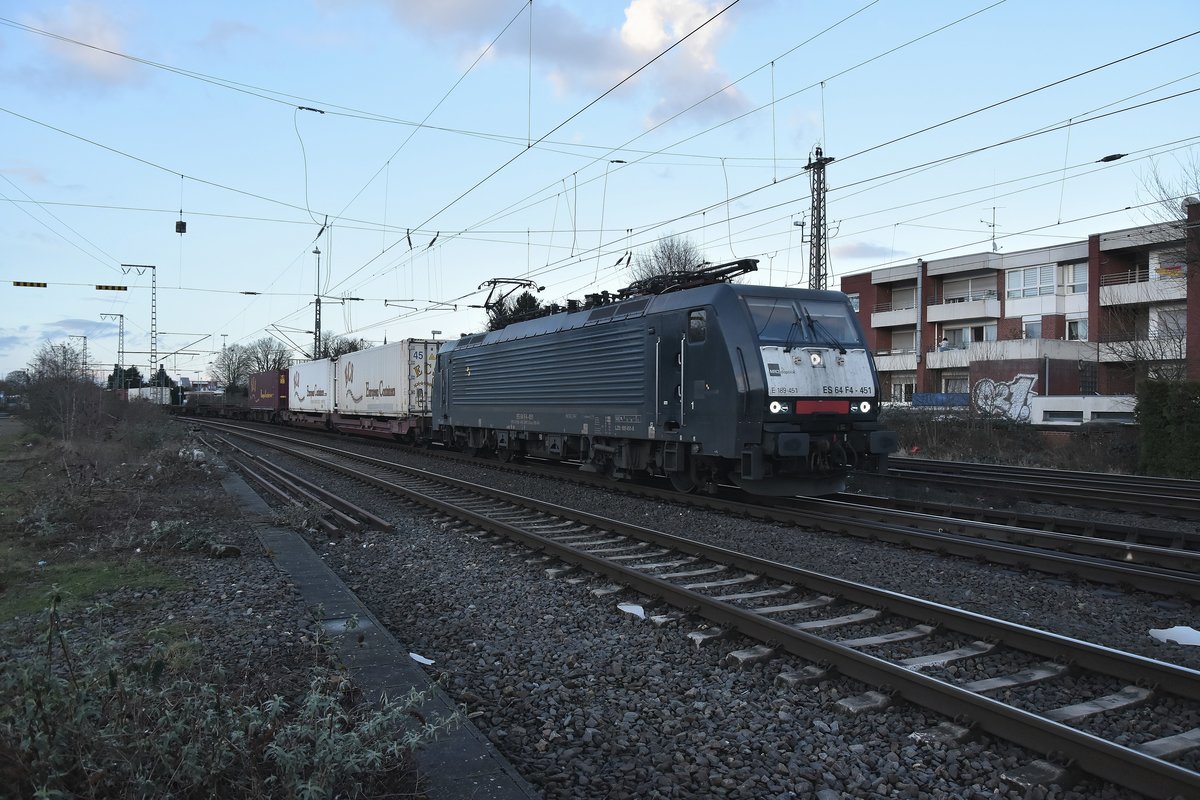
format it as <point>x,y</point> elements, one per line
<point>1180,634</point>
<point>420,659</point>
<point>632,608</point>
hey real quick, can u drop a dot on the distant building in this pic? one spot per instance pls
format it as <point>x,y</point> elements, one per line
<point>197,385</point>
<point>1060,334</point>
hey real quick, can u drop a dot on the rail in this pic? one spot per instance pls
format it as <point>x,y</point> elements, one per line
<point>729,590</point>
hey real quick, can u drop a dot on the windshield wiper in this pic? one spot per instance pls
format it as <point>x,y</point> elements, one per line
<point>819,330</point>
<point>792,329</point>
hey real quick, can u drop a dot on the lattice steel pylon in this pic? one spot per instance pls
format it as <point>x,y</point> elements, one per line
<point>818,267</point>
<point>120,349</point>
<point>141,268</point>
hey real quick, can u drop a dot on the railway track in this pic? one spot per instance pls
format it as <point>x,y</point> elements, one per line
<point>1106,554</point>
<point>1090,527</point>
<point>1131,493</point>
<point>999,676</point>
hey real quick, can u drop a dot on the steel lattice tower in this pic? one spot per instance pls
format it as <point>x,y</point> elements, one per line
<point>120,349</point>
<point>817,265</point>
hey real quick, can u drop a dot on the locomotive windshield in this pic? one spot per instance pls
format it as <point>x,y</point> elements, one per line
<point>792,323</point>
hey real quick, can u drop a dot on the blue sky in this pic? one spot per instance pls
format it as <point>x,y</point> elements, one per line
<point>485,133</point>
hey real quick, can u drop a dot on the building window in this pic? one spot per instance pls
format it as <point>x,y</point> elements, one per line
<point>1171,323</point>
<point>904,341</point>
<point>1075,278</point>
<point>961,337</point>
<point>962,290</point>
<point>955,383</point>
<point>1077,330</point>
<point>1087,377</point>
<point>853,301</point>
<point>904,298</point>
<point>1030,282</point>
<point>903,386</point>
<point>1032,330</point>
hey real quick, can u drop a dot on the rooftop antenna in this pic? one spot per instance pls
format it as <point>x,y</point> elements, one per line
<point>992,225</point>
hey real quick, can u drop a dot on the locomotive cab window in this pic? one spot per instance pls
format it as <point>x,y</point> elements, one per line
<point>779,320</point>
<point>697,326</point>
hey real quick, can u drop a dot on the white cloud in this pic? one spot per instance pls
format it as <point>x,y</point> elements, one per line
<point>578,56</point>
<point>32,175</point>
<point>91,24</point>
<point>864,250</point>
<point>221,33</point>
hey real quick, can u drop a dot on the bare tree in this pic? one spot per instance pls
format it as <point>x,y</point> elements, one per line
<point>1167,190</point>
<point>1147,346</point>
<point>231,367</point>
<point>334,345</point>
<point>523,306</point>
<point>63,400</point>
<point>268,354</point>
<point>668,255</point>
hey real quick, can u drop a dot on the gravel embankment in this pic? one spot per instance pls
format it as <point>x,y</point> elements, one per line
<point>590,702</point>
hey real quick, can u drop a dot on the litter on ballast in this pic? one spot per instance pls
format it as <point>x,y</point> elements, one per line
<point>1180,634</point>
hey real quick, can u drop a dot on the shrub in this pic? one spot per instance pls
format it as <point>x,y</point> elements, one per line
<point>1169,416</point>
<point>963,436</point>
<point>96,725</point>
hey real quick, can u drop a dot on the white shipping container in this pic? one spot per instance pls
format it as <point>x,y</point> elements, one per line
<point>389,381</point>
<point>159,395</point>
<point>310,387</point>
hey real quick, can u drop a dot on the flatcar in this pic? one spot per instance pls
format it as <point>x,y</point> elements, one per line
<point>703,381</point>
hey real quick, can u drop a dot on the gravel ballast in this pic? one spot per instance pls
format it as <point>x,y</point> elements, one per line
<point>588,701</point>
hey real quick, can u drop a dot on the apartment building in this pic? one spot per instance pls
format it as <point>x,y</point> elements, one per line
<point>1060,334</point>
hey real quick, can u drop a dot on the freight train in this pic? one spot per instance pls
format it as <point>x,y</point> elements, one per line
<point>687,376</point>
<point>382,391</point>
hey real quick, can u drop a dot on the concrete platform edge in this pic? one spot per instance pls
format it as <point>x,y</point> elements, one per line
<point>462,763</point>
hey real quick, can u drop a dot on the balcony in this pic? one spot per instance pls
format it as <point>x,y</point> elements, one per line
<point>886,315</point>
<point>953,356</point>
<point>977,305</point>
<point>1118,348</point>
<point>1136,287</point>
<point>896,360</point>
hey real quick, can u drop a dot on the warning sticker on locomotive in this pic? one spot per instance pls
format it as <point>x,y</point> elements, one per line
<point>817,372</point>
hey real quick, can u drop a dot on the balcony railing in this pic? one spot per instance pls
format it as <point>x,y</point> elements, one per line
<point>1137,275</point>
<point>901,306</point>
<point>989,294</point>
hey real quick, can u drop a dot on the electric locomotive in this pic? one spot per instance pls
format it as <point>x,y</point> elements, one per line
<point>688,376</point>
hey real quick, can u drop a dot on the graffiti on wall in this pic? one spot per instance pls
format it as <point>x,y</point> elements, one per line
<point>1013,399</point>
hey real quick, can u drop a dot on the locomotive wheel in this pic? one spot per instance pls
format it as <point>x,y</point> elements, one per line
<point>682,482</point>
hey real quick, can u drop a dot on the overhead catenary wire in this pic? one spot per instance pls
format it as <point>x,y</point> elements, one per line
<point>560,125</point>
<point>525,230</point>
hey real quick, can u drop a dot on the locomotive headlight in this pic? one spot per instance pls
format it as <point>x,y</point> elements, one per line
<point>815,359</point>
<point>777,407</point>
<point>865,406</point>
